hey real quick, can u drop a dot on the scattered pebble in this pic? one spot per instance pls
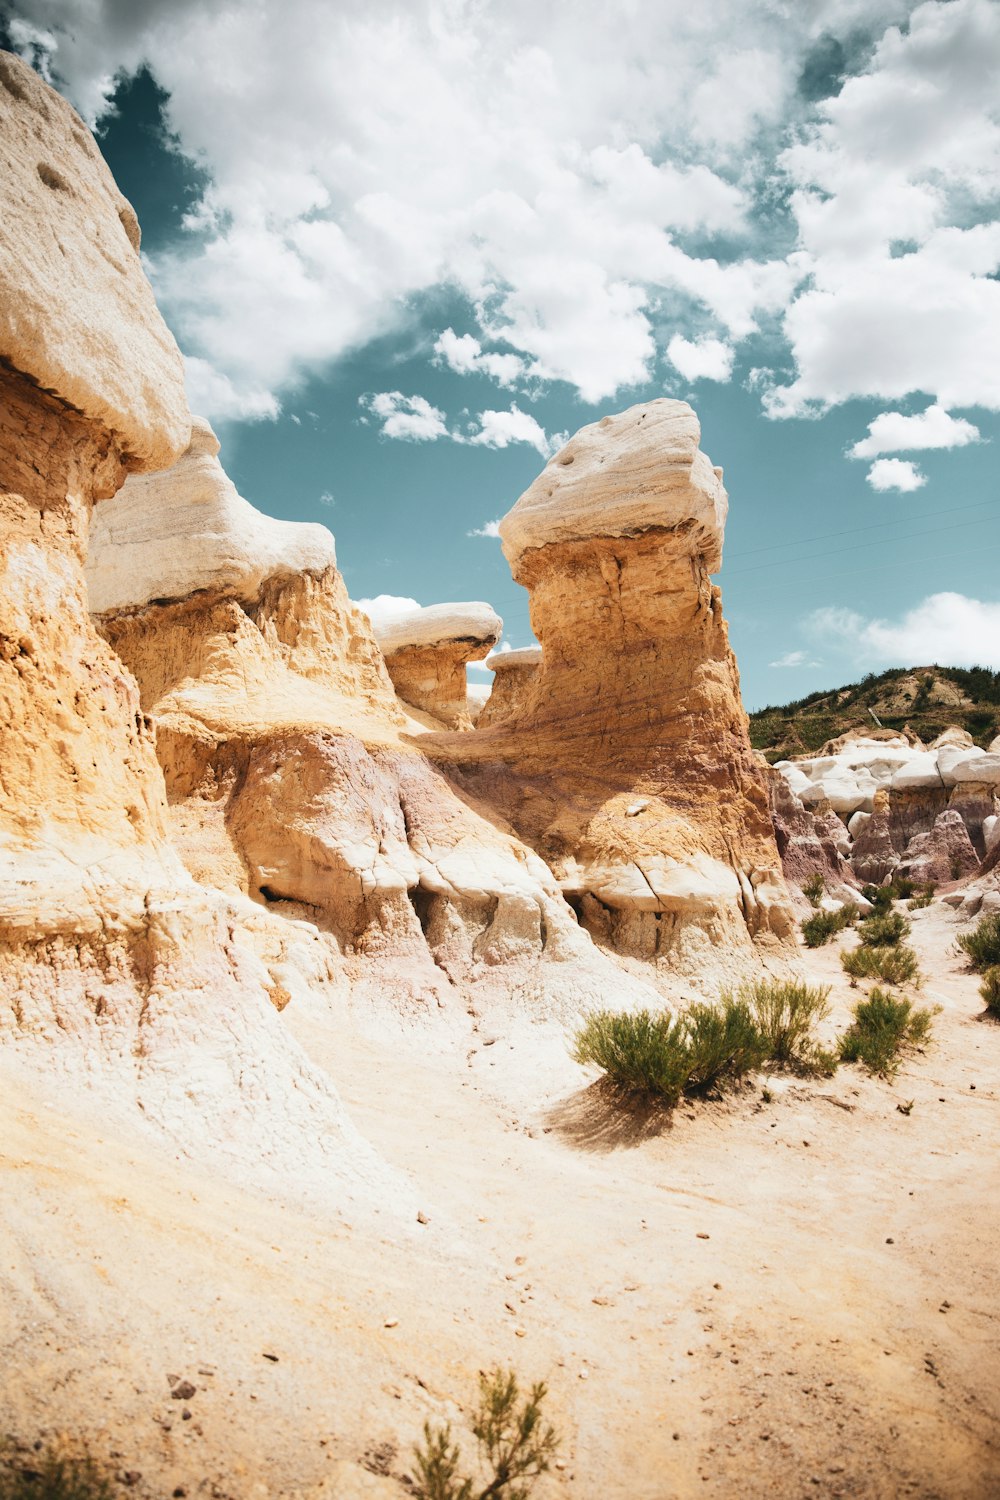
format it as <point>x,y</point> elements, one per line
<point>390,1323</point>
<point>890,1241</point>
<point>701,1236</point>
<point>520,1333</point>
<point>422,1217</point>
<point>183,1391</point>
<point>584,1373</point>
<point>272,1357</point>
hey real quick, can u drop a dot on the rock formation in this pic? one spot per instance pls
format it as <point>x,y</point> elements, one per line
<point>892,794</point>
<point>627,764</point>
<point>513,673</point>
<point>427,651</point>
<point>292,770</point>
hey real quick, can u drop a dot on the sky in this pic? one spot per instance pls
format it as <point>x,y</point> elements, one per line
<point>408,247</point>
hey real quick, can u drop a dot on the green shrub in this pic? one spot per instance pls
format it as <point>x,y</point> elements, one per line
<point>820,928</point>
<point>638,1051</point>
<point>880,896</point>
<point>990,990</point>
<point>51,1476</point>
<point>923,896</point>
<point>515,1448</point>
<point>982,944</point>
<point>902,887</point>
<point>883,929</point>
<point>881,1028</point>
<point>643,1053</point>
<point>723,1043</point>
<point>890,965</point>
<point>814,888</point>
<point>823,925</point>
<point>786,1012</point>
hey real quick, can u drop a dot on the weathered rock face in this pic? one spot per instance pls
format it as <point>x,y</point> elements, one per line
<point>942,855</point>
<point>811,840</point>
<point>289,779</point>
<point>627,765</point>
<point>92,388</point>
<point>77,315</point>
<point>513,674</point>
<point>120,979</point>
<point>427,651</point>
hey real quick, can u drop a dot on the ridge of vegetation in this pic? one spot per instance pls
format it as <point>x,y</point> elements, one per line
<point>925,700</point>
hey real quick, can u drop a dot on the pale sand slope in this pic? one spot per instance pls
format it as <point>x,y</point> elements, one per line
<point>794,1351</point>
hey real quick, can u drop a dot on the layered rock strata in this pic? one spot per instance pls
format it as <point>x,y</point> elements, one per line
<point>428,650</point>
<point>513,674</point>
<point>627,764</point>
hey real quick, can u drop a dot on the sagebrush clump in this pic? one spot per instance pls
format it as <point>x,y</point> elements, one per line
<point>515,1446</point>
<point>982,944</point>
<point>786,1013</point>
<point>883,929</point>
<point>823,925</point>
<point>881,1029</point>
<point>813,889</point>
<point>896,966</point>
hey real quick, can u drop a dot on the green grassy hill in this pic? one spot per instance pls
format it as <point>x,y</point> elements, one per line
<point>923,699</point>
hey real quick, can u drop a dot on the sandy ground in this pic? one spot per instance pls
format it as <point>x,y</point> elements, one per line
<point>792,1295</point>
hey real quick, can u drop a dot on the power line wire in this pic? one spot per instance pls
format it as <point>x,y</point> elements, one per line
<point>825,536</point>
<point>789,562</point>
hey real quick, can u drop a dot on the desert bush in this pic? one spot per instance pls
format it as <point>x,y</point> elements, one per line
<point>515,1447</point>
<point>643,1053</point>
<point>820,928</point>
<point>723,1043</point>
<point>786,1012</point>
<point>881,1029</point>
<point>923,896</point>
<point>50,1475</point>
<point>891,965</point>
<point>982,944</point>
<point>902,887</point>
<point>638,1051</point>
<point>883,929</point>
<point>823,925</point>
<point>880,896</point>
<point>990,990</point>
<point>814,888</point>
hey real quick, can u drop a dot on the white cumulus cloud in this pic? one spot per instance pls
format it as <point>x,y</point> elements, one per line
<point>491,529</point>
<point>498,429</point>
<point>951,630</point>
<point>464,354</point>
<point>892,432</point>
<point>702,359</point>
<point>411,418</point>
<point>895,474</point>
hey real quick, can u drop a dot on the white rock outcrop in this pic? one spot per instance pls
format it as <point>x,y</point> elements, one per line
<point>172,534</point>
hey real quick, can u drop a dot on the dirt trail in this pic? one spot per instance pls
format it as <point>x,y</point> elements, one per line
<point>794,1297</point>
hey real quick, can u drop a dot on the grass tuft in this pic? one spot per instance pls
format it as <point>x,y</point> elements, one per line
<point>982,944</point>
<point>881,1029</point>
<point>823,925</point>
<point>814,888</point>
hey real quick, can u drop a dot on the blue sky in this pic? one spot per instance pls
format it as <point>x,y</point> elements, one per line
<point>404,247</point>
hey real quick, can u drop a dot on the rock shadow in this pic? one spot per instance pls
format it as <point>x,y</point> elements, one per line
<point>606,1117</point>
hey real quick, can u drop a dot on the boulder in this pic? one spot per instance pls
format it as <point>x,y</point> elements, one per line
<point>513,673</point>
<point>636,698</point>
<point>427,651</point>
